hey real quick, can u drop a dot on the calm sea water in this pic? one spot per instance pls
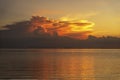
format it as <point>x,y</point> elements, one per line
<point>60,64</point>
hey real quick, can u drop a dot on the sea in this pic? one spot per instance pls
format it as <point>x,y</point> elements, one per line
<point>59,64</point>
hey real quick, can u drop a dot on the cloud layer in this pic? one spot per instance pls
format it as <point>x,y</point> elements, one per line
<point>42,26</point>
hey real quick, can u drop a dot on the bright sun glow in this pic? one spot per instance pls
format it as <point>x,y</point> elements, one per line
<point>80,26</point>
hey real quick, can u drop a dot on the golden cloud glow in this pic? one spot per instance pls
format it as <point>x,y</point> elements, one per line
<point>65,26</point>
<point>78,26</point>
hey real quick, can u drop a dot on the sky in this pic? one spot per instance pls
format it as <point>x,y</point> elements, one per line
<point>104,13</point>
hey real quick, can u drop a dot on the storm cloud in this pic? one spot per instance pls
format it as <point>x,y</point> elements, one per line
<point>39,26</point>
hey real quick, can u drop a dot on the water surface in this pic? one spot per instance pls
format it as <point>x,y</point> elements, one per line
<point>60,64</point>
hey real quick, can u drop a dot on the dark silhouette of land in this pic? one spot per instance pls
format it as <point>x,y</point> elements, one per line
<point>60,42</point>
<point>23,35</point>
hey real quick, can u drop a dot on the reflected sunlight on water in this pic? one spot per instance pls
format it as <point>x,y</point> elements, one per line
<point>67,68</point>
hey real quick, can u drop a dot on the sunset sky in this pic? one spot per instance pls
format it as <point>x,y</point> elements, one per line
<point>104,13</point>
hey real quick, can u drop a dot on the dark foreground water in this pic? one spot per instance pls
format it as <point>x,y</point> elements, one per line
<point>60,64</point>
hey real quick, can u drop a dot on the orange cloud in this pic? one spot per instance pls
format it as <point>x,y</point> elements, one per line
<point>65,27</point>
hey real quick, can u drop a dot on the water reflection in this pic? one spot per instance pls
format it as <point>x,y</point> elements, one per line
<point>61,64</point>
<point>65,67</point>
